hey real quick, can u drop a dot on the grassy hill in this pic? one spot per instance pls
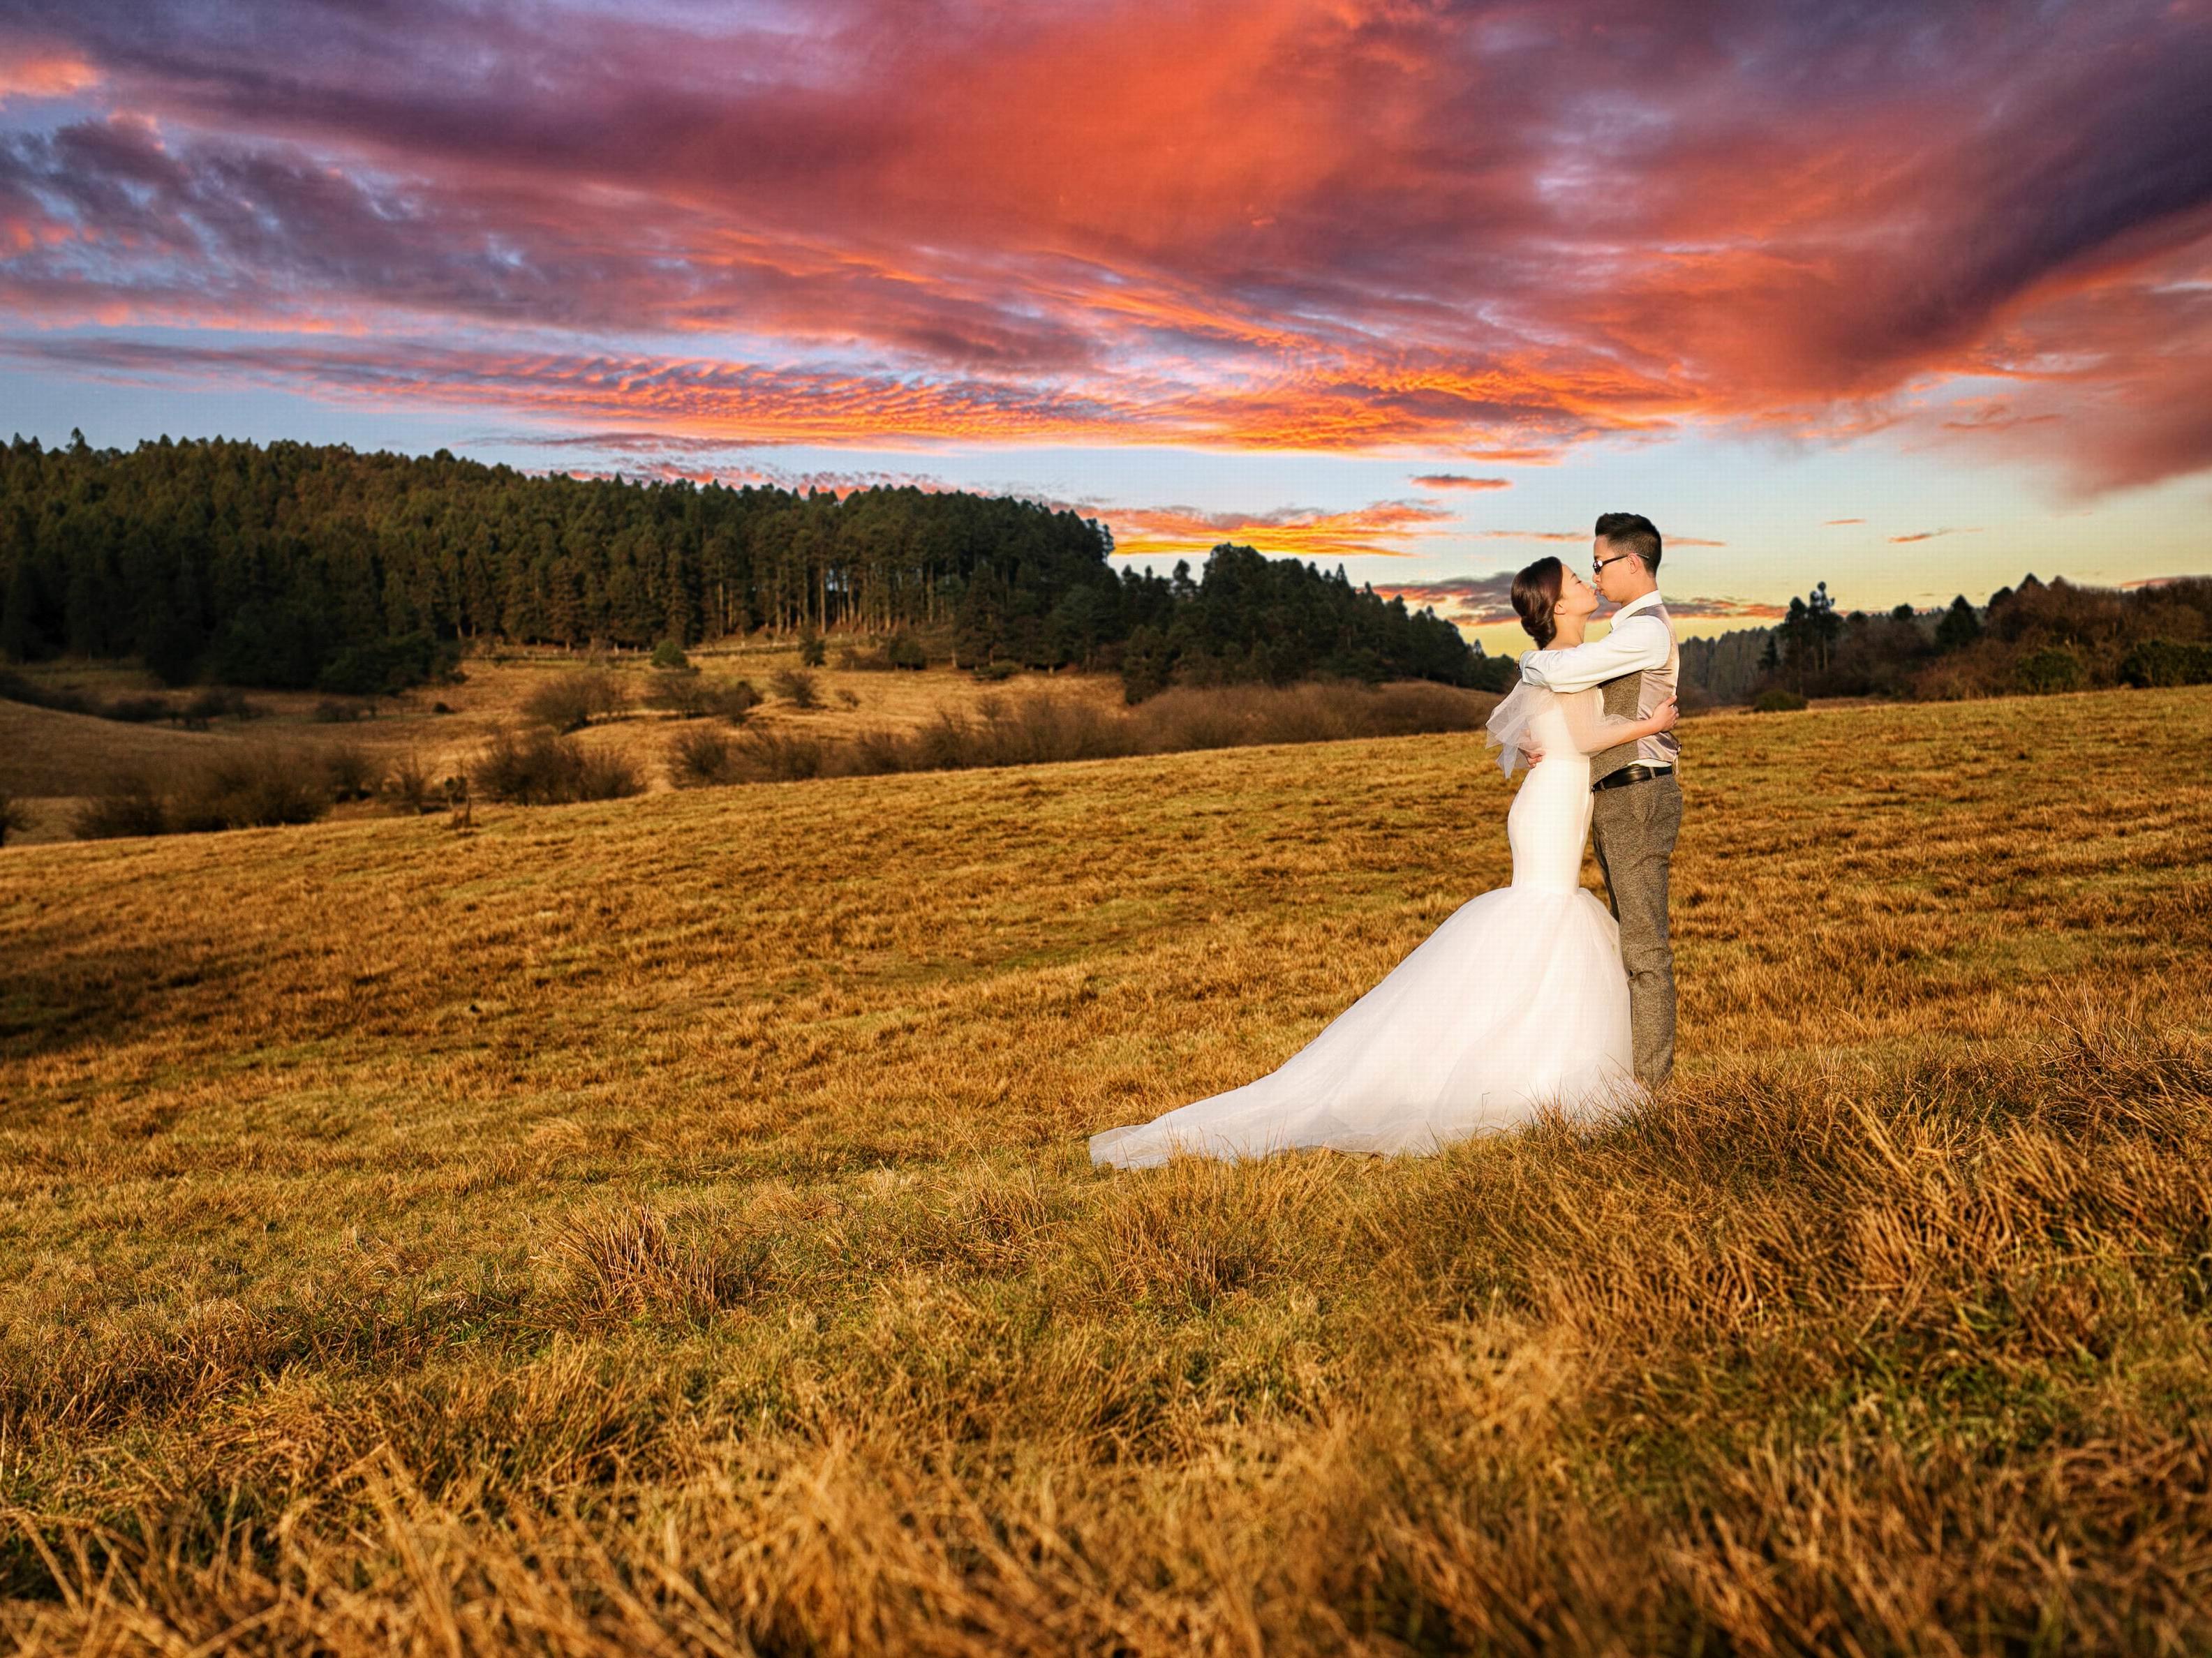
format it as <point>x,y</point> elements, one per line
<point>665,1224</point>
<point>50,760</point>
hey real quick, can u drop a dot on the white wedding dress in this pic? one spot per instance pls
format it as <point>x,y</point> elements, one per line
<point>1516,1006</point>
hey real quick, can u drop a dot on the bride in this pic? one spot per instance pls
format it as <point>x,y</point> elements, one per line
<point>1517,1004</point>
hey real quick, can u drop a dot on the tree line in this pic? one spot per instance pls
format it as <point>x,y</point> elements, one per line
<point>2040,637</point>
<point>294,565</point>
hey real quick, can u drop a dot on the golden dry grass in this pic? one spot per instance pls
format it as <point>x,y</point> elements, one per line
<point>663,1226</point>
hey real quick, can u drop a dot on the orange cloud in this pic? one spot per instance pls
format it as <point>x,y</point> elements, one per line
<point>1460,481</point>
<point>29,73</point>
<point>834,224</point>
<point>1930,535</point>
<point>1383,527</point>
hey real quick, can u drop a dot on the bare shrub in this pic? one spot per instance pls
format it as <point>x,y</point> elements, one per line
<point>733,699</point>
<point>354,774</point>
<point>1229,716</point>
<point>408,787</point>
<point>572,701</point>
<point>798,687</point>
<point>607,775</point>
<point>542,769</point>
<point>683,694</point>
<point>251,789</point>
<point>139,710</point>
<point>857,658</point>
<point>331,712</point>
<point>702,757</point>
<point>256,789</point>
<point>766,756</point>
<point>1047,729</point>
<point>129,805</point>
<point>14,818</point>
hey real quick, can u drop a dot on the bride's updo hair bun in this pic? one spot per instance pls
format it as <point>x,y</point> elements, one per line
<point>1536,594</point>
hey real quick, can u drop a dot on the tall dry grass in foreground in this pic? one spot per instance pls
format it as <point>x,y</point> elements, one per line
<point>663,1225</point>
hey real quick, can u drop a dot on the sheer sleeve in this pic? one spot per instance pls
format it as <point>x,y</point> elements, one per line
<point>1589,725</point>
<point>1508,728</point>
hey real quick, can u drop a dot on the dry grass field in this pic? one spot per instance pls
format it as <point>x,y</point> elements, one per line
<point>665,1225</point>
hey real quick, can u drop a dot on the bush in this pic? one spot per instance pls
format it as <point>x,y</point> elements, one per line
<point>328,712</point>
<point>139,710</point>
<point>996,673</point>
<point>668,656</point>
<point>2167,662</point>
<point>774,756</point>
<point>572,701</point>
<point>353,772</point>
<point>904,651</point>
<point>733,699</point>
<point>1778,701</point>
<point>2053,668</point>
<point>130,806</point>
<point>854,659</point>
<point>542,769</point>
<point>812,653</point>
<point>683,694</point>
<point>14,819</point>
<point>1037,729</point>
<point>408,788</point>
<point>245,790</point>
<point>798,687</point>
<point>701,758</point>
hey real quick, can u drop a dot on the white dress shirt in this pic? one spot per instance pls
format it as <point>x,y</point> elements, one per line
<point>1637,644</point>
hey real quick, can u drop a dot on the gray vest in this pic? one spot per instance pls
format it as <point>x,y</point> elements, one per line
<point>1633,696</point>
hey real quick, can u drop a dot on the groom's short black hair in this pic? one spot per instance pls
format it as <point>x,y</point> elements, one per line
<point>1631,532</point>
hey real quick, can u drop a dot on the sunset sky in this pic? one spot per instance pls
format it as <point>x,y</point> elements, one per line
<point>1912,298</point>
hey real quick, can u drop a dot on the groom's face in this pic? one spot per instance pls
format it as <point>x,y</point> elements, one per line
<point>1614,570</point>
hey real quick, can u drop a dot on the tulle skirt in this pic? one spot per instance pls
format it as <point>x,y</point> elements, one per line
<point>1516,1006</point>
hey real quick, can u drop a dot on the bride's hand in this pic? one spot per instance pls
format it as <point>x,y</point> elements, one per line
<point>1664,716</point>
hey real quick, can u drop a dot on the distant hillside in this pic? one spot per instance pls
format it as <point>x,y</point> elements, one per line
<point>297,566</point>
<point>2038,637</point>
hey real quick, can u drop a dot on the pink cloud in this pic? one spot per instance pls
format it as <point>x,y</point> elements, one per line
<point>1460,481</point>
<point>855,222</point>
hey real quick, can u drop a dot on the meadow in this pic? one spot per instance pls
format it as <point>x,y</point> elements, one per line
<point>53,760</point>
<point>665,1225</point>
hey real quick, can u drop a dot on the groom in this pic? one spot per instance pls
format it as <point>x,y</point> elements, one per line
<point>1637,808</point>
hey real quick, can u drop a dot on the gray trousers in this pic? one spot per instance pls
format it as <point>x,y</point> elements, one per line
<point>1635,826</point>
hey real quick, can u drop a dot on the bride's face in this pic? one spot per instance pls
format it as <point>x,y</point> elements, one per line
<point>1576,596</point>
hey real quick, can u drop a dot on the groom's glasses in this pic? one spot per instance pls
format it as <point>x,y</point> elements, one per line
<point>1598,568</point>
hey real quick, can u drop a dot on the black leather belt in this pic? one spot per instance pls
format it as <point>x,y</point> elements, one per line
<point>1638,773</point>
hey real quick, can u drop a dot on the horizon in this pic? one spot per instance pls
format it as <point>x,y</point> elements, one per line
<point>1470,281</point>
